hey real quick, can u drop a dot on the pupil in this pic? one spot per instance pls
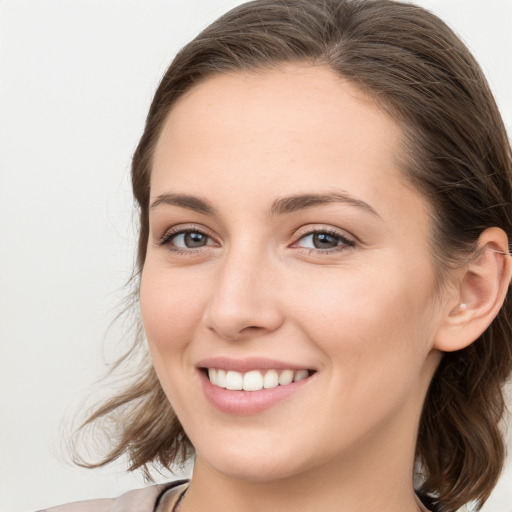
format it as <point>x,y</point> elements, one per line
<point>324,241</point>
<point>195,239</point>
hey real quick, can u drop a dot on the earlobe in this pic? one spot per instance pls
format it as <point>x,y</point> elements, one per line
<point>479,293</point>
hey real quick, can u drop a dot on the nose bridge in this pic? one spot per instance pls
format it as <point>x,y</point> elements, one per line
<point>243,301</point>
<point>238,272</point>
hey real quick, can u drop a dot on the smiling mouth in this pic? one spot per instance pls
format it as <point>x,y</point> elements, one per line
<point>255,380</point>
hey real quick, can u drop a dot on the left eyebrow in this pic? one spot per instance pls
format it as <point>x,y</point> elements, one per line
<point>294,203</point>
<point>186,201</point>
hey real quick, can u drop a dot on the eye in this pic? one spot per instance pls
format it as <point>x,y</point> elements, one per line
<point>186,239</point>
<point>189,240</point>
<point>324,241</point>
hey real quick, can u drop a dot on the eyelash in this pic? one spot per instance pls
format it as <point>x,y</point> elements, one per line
<point>168,237</point>
<point>345,241</point>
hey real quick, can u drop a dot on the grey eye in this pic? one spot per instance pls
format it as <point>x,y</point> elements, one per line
<point>320,241</point>
<point>190,240</point>
<point>325,241</point>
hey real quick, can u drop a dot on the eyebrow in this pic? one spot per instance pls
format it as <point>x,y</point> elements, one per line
<point>294,203</point>
<point>185,201</point>
<point>281,206</point>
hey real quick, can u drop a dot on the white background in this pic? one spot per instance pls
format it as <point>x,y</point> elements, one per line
<point>76,79</point>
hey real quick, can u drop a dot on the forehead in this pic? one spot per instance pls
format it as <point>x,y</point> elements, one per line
<point>282,108</point>
<point>278,132</point>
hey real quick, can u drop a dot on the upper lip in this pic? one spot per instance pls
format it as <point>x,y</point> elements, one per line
<point>248,364</point>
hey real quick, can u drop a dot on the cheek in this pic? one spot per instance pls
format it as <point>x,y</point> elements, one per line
<point>171,307</point>
<point>367,317</point>
<point>375,334</point>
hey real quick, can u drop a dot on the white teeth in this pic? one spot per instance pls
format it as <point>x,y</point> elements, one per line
<point>221,378</point>
<point>300,375</point>
<point>271,379</point>
<point>234,380</point>
<point>254,380</point>
<point>286,377</point>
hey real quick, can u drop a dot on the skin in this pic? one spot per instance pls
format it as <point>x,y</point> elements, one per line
<point>365,315</point>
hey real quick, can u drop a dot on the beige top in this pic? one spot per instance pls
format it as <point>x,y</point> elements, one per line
<point>138,500</point>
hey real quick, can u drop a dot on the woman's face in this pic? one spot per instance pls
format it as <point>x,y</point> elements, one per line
<point>284,244</point>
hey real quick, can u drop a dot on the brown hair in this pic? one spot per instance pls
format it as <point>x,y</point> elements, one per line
<point>457,154</point>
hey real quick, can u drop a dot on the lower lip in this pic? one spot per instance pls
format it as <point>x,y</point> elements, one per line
<point>248,402</point>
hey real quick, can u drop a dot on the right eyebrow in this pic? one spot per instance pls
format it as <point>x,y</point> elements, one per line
<point>185,201</point>
<point>298,202</point>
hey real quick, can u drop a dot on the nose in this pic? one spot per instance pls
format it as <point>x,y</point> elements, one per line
<point>244,301</point>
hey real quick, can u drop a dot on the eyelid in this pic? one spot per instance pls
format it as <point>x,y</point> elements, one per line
<point>345,240</point>
<point>322,228</point>
<point>185,228</point>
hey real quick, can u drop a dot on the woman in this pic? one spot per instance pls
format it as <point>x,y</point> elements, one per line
<point>325,201</point>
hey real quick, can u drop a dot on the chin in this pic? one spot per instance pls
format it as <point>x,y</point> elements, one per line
<point>256,465</point>
<point>263,472</point>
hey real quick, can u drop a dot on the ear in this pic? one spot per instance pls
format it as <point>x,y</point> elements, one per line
<point>478,293</point>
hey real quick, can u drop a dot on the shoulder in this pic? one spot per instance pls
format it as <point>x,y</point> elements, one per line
<point>138,500</point>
